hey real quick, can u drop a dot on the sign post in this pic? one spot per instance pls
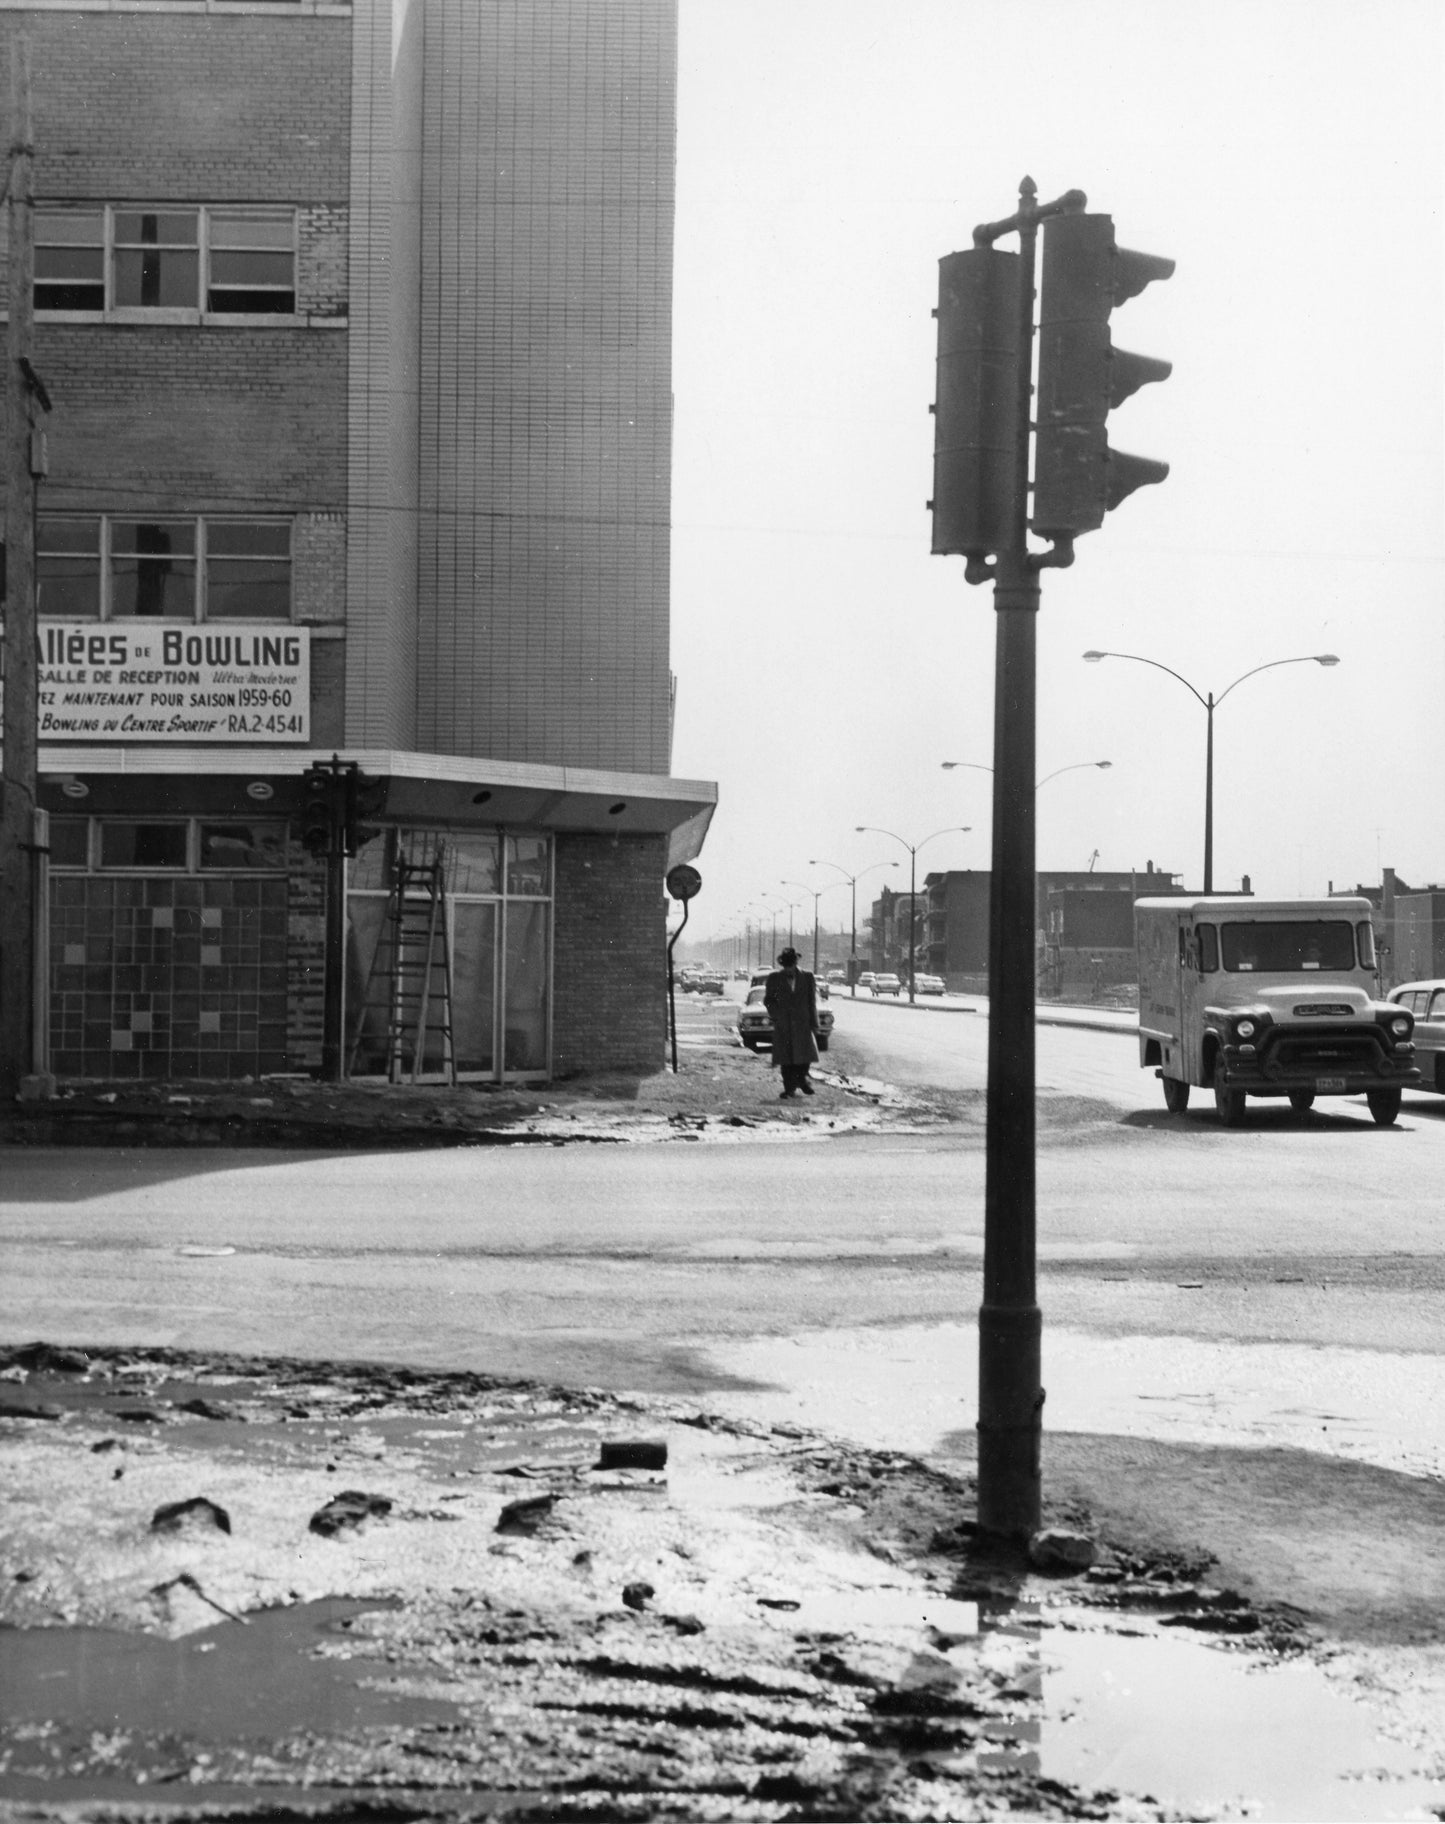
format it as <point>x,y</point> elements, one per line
<point>683,883</point>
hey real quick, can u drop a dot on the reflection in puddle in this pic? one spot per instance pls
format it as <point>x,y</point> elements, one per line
<point>1189,1724</point>
<point>258,1679</point>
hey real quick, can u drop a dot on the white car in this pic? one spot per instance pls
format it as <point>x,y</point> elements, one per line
<point>1426,1000</point>
<point>928,984</point>
<point>884,984</point>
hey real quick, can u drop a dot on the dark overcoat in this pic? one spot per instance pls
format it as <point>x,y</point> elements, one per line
<point>794,1013</point>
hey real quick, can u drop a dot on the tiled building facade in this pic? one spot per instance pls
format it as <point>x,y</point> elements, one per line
<point>355,321</point>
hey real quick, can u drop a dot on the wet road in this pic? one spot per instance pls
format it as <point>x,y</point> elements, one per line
<point>660,1267</point>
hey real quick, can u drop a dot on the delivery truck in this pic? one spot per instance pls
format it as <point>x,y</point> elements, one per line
<point>1268,997</point>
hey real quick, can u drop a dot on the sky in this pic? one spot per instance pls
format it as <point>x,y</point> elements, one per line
<point>1287,154</point>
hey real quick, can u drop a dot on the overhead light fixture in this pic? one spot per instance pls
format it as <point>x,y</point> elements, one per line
<point>261,790</point>
<point>480,797</point>
<point>75,788</point>
<point>616,810</point>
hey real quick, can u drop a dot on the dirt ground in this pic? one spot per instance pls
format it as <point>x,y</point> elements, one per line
<point>249,1589</point>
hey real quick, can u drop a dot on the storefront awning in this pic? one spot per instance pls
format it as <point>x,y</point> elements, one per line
<point>430,788</point>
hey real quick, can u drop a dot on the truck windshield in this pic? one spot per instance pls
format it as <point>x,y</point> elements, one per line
<point>1282,948</point>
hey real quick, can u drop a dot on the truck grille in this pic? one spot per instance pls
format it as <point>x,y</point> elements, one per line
<point>1323,1052</point>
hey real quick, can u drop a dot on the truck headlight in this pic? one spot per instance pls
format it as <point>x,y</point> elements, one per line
<point>1400,1025</point>
<point>1245,1029</point>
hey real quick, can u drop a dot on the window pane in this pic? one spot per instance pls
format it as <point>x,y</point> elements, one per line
<point>474,864</point>
<point>153,569</point>
<point>1366,935</point>
<point>527,864</point>
<point>176,228</point>
<point>253,231</point>
<point>67,532</point>
<point>1288,946</point>
<point>524,990</point>
<point>254,303</point>
<point>142,845</point>
<point>69,278</point>
<point>67,567</point>
<point>154,279</point>
<point>238,588</point>
<point>273,269</point>
<point>69,842</point>
<point>243,845</point>
<point>248,538</point>
<point>61,228</point>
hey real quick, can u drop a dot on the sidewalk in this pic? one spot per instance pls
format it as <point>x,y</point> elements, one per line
<point>720,1092</point>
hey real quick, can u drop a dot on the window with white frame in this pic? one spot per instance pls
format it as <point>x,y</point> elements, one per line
<point>204,567</point>
<point>185,263</point>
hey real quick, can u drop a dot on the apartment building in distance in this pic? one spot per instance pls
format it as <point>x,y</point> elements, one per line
<point>355,320</point>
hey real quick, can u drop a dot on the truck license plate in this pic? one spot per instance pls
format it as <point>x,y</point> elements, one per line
<point>1326,1084</point>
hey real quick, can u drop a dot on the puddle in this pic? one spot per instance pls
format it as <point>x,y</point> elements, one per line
<point>1216,1733</point>
<point>882,1611</point>
<point>258,1679</point>
<point>909,1387</point>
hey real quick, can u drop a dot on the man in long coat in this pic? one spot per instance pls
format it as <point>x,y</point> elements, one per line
<point>791,998</point>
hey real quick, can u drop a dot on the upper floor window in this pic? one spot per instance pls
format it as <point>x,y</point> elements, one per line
<point>186,264</point>
<point>198,568</point>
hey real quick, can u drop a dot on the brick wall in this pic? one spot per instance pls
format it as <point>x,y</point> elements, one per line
<point>168,105</point>
<point>220,420</point>
<point>610,951</point>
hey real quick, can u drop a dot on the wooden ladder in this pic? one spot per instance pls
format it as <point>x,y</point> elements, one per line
<point>410,979</point>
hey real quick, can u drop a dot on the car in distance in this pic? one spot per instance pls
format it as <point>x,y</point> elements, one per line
<point>886,984</point>
<point>755,1023</point>
<point>838,975</point>
<point>867,979</point>
<point>1426,1000</point>
<point>928,984</point>
<point>760,980</point>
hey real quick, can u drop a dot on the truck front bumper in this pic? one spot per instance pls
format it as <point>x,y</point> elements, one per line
<point>1341,1062</point>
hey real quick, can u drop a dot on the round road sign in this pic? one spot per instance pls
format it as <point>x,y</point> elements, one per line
<point>683,881</point>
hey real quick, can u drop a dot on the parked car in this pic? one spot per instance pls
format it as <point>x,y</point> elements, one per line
<point>710,981</point>
<point>1426,1000</point>
<point>867,979</point>
<point>886,984</point>
<point>687,979</point>
<point>928,984</point>
<point>755,1023</point>
<point>838,975</point>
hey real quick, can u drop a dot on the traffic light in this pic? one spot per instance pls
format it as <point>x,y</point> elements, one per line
<point>1082,376</point>
<point>365,798</point>
<point>317,809</point>
<point>976,417</point>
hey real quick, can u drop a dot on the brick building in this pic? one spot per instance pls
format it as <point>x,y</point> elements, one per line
<point>355,317</point>
<point>1084,924</point>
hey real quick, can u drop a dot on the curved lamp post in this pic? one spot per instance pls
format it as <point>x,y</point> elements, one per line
<point>1074,767</point>
<point>1210,703</point>
<point>852,880</point>
<point>952,829</point>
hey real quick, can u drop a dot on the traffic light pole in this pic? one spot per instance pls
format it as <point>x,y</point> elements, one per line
<point>987,422</point>
<point>1010,1324</point>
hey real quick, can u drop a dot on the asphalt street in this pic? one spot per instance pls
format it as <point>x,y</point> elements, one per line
<point>683,1268</point>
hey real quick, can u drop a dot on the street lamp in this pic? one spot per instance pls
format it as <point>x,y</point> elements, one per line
<point>817,893</point>
<point>852,880</point>
<point>1211,703</point>
<point>1076,766</point>
<point>952,829</point>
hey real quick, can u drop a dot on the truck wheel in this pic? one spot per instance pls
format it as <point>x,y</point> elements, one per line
<point>1229,1102</point>
<point>1384,1106</point>
<point>1301,1100</point>
<point>1176,1095</point>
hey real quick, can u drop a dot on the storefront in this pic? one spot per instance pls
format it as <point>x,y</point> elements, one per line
<point>185,920</point>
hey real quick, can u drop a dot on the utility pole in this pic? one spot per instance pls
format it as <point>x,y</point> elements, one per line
<point>19,851</point>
